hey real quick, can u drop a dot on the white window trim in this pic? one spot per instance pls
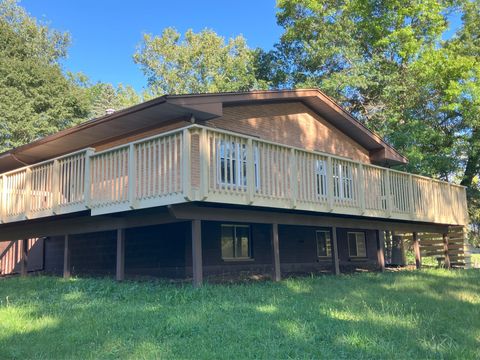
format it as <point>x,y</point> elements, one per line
<point>340,179</point>
<point>321,189</point>
<point>356,244</point>
<point>239,176</point>
<point>329,248</point>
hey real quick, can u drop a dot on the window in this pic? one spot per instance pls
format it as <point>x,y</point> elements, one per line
<point>323,243</point>
<point>321,178</point>
<point>236,242</point>
<point>356,244</point>
<point>343,181</point>
<point>232,163</point>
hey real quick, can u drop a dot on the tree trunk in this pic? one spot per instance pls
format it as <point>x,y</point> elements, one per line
<point>473,159</point>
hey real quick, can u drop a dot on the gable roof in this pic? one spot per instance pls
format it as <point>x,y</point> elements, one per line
<point>201,107</point>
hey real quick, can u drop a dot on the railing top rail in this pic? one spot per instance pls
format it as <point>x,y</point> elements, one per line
<point>47,161</point>
<point>321,154</point>
<point>227,132</point>
<point>143,140</point>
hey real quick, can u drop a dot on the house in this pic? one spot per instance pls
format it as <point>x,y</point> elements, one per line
<point>193,185</point>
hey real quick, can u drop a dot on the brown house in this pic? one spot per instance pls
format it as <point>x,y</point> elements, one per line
<point>187,185</point>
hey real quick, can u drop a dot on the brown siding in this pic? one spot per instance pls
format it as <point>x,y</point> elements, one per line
<point>165,251</point>
<point>371,246</point>
<point>93,253</point>
<point>212,251</point>
<point>290,123</point>
<point>157,250</point>
<point>54,255</point>
<point>11,255</point>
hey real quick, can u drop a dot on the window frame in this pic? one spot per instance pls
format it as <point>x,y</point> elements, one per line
<point>328,244</point>
<point>357,256</point>
<point>321,175</point>
<point>343,180</point>
<point>249,257</point>
<point>237,152</point>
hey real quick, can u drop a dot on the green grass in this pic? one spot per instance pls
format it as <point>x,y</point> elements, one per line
<point>407,314</point>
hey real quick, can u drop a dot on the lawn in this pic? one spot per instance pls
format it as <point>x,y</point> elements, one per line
<point>475,258</point>
<point>407,314</point>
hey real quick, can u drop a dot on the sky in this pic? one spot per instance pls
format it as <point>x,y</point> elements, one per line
<point>105,33</point>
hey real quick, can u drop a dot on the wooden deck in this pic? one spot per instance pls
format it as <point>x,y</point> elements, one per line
<point>205,164</point>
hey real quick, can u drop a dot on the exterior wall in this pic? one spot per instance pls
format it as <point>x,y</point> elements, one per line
<point>290,123</point>
<point>371,247</point>
<point>54,255</point>
<point>149,251</point>
<point>213,264</point>
<point>90,254</point>
<point>157,250</point>
<point>141,134</point>
<point>11,256</point>
<point>298,249</point>
<point>165,251</point>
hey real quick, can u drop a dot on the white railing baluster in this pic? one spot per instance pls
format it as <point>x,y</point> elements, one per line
<point>155,170</point>
<point>388,193</point>
<point>250,158</point>
<point>186,166</point>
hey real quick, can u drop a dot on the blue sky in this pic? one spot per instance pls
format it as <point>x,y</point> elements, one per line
<point>105,33</point>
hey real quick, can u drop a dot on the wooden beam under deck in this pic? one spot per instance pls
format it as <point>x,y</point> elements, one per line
<point>24,260</point>
<point>262,216</point>
<point>336,263</point>
<point>197,266</point>
<point>120,265</point>
<point>416,248</point>
<point>381,250</point>
<point>276,272</point>
<point>66,258</point>
<point>445,251</point>
<point>58,226</point>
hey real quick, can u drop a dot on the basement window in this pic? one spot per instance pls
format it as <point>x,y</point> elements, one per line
<point>356,244</point>
<point>236,242</point>
<point>323,243</point>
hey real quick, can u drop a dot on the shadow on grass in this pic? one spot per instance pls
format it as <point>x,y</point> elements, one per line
<point>427,314</point>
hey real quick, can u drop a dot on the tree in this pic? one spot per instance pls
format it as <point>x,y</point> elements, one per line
<point>386,61</point>
<point>200,62</point>
<point>104,96</point>
<point>36,99</point>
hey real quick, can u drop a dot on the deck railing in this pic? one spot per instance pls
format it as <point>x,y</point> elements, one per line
<point>204,164</point>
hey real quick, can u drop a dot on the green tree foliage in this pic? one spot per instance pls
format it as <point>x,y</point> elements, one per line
<point>387,62</point>
<point>36,98</point>
<point>197,63</point>
<point>104,96</point>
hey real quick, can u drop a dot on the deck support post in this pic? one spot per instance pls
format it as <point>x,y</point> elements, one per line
<point>24,261</point>
<point>416,249</point>
<point>336,263</point>
<point>381,250</point>
<point>197,267</point>
<point>66,258</point>
<point>276,272</point>
<point>445,251</point>
<point>120,268</point>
